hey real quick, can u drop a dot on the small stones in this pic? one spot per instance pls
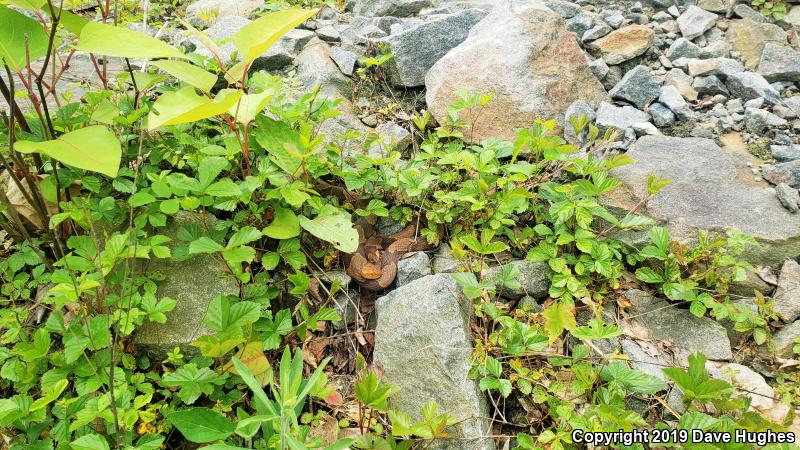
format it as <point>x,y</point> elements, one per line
<point>784,339</point>
<point>681,82</point>
<point>684,48</point>
<point>785,153</point>
<point>662,116</point>
<point>788,196</point>
<point>613,17</point>
<point>580,24</point>
<point>695,21</point>
<point>624,44</point>
<point>779,63</point>
<point>596,32</point>
<point>329,33</point>
<point>757,120</point>
<point>637,87</point>
<point>532,278</point>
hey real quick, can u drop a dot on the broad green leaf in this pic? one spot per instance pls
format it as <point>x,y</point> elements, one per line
<point>244,236</point>
<point>108,40</point>
<point>286,225</point>
<point>15,30</point>
<point>188,73</point>
<point>33,5</point>
<point>93,148</point>
<point>73,22</point>
<point>90,442</point>
<point>204,245</point>
<point>184,106</point>
<point>250,105</point>
<point>256,37</point>
<point>558,317</point>
<point>201,424</point>
<point>51,394</point>
<point>333,225</point>
<point>283,144</point>
<point>632,380</point>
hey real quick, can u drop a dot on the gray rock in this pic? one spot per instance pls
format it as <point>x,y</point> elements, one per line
<point>750,85</point>
<point>294,40</point>
<point>619,117</point>
<point>329,33</point>
<point>395,8</point>
<point>444,262</point>
<point>580,24</point>
<point>346,60</point>
<point>684,48</point>
<point>695,21</point>
<point>681,82</point>
<point>784,338</point>
<point>723,67</point>
<point>391,137</point>
<point>662,116</point>
<point>418,48</point>
<point>331,276</point>
<point>758,120</point>
<point>645,128</point>
<point>746,12</point>
<point>613,17</point>
<point>786,172</point>
<point>598,31</point>
<point>707,193</point>
<point>672,99</point>
<point>224,28</point>
<point>282,53</point>
<point>786,301</point>
<point>520,56</point>
<point>779,63</point>
<point>599,68</point>
<point>532,277</point>
<point>362,30</point>
<point>785,153</point>
<point>646,357</point>
<point>637,87</point>
<point>717,6</point>
<point>529,304</point>
<point>316,68</point>
<point>563,8</point>
<point>710,85</point>
<point>788,196</point>
<point>415,266</point>
<point>423,346</point>
<point>193,284</point>
<point>687,332</point>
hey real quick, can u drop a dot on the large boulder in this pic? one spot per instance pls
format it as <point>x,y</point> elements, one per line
<point>193,283</point>
<point>522,55</point>
<point>709,192</point>
<point>417,47</point>
<point>423,345</point>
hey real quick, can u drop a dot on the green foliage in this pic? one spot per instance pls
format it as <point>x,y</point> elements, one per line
<point>775,9</point>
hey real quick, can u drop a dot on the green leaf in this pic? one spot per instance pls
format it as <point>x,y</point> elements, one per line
<point>73,22</point>
<point>558,317</point>
<point>188,73</point>
<point>373,393</point>
<point>193,381</point>
<point>204,245</point>
<point>285,225</point>
<point>258,36</point>
<point>632,380</point>
<point>32,5</point>
<point>244,236</point>
<point>15,30</point>
<point>93,148</point>
<point>224,316</point>
<point>90,442</point>
<point>648,275</point>
<point>140,199</point>
<point>250,105</point>
<point>201,424</point>
<point>283,144</point>
<point>185,106</point>
<point>333,225</point>
<point>108,40</point>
